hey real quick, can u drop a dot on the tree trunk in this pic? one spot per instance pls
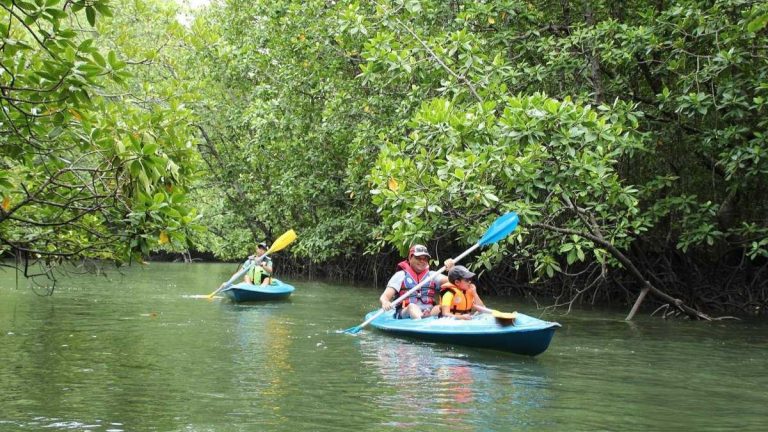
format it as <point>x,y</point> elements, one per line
<point>593,59</point>
<point>629,265</point>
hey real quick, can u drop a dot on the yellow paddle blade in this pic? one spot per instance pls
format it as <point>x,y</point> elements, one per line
<point>504,315</point>
<point>282,241</point>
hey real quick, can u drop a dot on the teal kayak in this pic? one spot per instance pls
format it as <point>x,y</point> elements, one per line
<point>244,292</point>
<point>527,336</point>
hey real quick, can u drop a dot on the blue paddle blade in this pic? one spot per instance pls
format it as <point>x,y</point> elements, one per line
<point>500,229</point>
<point>352,330</point>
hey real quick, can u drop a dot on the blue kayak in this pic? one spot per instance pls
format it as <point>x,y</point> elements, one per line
<point>245,292</point>
<point>527,335</point>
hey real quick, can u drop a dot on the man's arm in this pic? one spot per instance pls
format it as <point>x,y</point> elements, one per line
<point>391,290</point>
<point>386,298</point>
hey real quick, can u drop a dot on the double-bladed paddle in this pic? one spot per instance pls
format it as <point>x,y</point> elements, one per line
<point>279,244</point>
<point>500,229</point>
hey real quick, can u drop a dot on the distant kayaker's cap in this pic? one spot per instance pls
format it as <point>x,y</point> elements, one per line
<point>262,245</point>
<point>459,272</point>
<point>419,250</point>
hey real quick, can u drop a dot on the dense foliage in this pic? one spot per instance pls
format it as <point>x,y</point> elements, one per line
<point>284,129</point>
<point>90,168</point>
<point>617,131</point>
<point>630,137</point>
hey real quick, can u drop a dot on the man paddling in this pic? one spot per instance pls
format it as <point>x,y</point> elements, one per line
<point>422,303</point>
<point>260,274</point>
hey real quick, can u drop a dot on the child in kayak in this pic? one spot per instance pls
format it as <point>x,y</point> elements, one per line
<point>458,297</point>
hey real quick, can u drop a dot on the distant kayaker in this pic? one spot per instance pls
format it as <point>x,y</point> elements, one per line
<point>458,297</point>
<point>260,274</point>
<point>421,303</point>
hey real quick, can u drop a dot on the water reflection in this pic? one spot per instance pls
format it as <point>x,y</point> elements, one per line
<point>261,365</point>
<point>467,389</point>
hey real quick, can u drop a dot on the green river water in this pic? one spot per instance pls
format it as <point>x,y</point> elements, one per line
<point>137,351</point>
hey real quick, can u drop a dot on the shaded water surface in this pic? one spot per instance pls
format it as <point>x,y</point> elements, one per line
<point>139,352</point>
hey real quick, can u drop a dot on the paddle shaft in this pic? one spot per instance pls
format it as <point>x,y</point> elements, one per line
<point>418,286</point>
<point>247,266</point>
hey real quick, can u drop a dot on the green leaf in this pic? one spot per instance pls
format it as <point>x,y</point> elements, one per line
<point>459,173</point>
<point>149,149</point>
<point>145,181</point>
<point>413,6</point>
<point>99,58</point>
<point>55,132</point>
<point>571,258</point>
<point>26,6</point>
<point>103,8</point>
<point>90,69</point>
<point>758,23</point>
<point>112,58</point>
<point>90,13</point>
